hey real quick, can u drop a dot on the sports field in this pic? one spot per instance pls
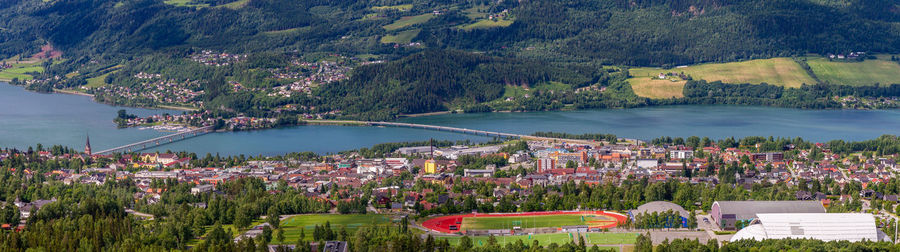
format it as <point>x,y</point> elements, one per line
<point>656,88</point>
<point>867,72</point>
<point>351,222</point>
<point>480,223</point>
<point>774,71</point>
<point>461,223</point>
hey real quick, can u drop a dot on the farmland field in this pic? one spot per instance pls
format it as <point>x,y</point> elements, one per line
<point>351,222</point>
<point>401,7</point>
<point>656,88</point>
<point>775,71</point>
<point>403,37</point>
<point>408,21</point>
<point>487,23</point>
<point>867,72</point>
<point>19,70</point>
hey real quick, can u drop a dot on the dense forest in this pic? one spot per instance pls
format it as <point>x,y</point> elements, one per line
<point>446,66</point>
<point>425,82</point>
<point>645,32</point>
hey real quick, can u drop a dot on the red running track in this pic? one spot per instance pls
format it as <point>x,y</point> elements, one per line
<point>442,224</point>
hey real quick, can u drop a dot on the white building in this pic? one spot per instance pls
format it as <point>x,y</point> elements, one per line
<point>647,163</point>
<point>681,154</point>
<point>852,227</point>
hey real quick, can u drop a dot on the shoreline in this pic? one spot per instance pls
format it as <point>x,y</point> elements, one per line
<point>426,114</point>
<point>71,92</point>
<point>172,107</point>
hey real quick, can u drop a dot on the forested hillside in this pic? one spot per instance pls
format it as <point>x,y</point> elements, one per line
<point>425,82</point>
<point>645,32</point>
<point>381,58</point>
<point>673,32</point>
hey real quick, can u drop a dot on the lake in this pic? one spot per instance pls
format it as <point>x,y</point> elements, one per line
<point>28,118</point>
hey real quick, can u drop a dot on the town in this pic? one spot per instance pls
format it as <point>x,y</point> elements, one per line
<point>422,180</point>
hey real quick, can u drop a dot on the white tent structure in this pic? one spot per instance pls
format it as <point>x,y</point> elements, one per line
<point>820,226</point>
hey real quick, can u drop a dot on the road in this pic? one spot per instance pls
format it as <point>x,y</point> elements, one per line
<point>145,215</point>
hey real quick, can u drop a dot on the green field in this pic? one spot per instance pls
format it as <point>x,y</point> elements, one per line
<point>19,70</point>
<point>867,72</point>
<point>487,23</point>
<point>403,37</point>
<point>656,88</point>
<point>476,12</point>
<point>775,71</point>
<point>610,238</point>
<point>559,238</point>
<point>481,223</point>
<point>514,91</point>
<point>351,222</point>
<point>552,86</point>
<point>184,3</point>
<point>401,7</point>
<point>408,21</point>
<point>98,81</point>
<point>236,4</point>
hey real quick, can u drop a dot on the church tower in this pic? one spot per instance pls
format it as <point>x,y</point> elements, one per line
<point>87,146</point>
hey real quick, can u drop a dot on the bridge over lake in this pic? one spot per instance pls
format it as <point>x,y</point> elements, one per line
<point>158,141</point>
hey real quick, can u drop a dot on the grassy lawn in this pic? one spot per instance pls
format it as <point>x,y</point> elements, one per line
<point>352,222</point>
<point>656,88</point>
<point>487,23</point>
<point>863,73</point>
<point>610,238</point>
<point>401,7</point>
<point>560,238</point>
<point>775,71</point>
<point>529,221</point>
<point>408,21</point>
<point>403,37</point>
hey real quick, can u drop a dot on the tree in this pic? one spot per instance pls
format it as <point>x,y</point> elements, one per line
<point>692,221</point>
<point>273,218</point>
<point>571,164</point>
<point>279,235</point>
<point>429,243</point>
<point>242,218</point>
<point>643,243</point>
<point>465,243</point>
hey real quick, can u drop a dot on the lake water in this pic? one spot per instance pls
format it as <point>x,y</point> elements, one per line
<point>27,118</point>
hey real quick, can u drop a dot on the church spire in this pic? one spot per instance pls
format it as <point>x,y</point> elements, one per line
<point>87,145</point>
